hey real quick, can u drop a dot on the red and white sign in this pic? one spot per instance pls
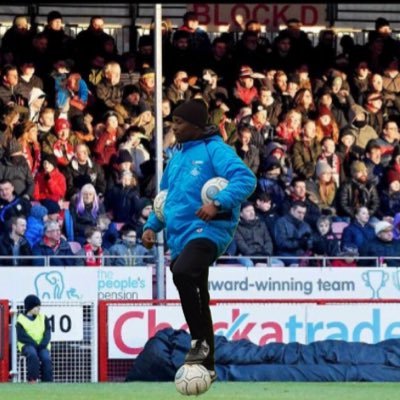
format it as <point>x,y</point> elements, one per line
<point>129,328</point>
<point>271,15</point>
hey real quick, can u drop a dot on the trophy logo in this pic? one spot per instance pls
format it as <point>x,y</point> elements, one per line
<point>396,279</point>
<point>375,279</point>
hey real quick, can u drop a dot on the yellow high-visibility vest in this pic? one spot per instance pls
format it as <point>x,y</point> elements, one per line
<point>35,329</point>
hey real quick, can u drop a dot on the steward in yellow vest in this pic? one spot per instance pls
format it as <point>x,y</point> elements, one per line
<point>33,335</point>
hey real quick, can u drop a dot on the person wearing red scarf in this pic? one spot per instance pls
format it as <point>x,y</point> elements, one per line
<point>92,253</point>
<point>245,89</point>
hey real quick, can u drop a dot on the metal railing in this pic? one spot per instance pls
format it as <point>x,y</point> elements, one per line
<point>225,260</point>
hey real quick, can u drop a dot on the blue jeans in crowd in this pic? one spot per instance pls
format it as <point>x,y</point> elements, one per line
<point>37,361</point>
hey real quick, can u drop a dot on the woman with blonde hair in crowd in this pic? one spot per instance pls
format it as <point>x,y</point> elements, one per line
<point>85,208</point>
<point>27,136</point>
<point>289,130</point>
<point>146,121</point>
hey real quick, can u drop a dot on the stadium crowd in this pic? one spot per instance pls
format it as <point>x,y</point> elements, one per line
<point>318,127</point>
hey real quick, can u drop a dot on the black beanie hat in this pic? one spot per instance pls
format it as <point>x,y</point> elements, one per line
<point>193,111</point>
<point>51,206</point>
<point>31,301</point>
<point>52,15</point>
<point>50,158</point>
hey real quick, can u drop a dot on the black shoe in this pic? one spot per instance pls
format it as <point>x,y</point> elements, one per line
<point>198,352</point>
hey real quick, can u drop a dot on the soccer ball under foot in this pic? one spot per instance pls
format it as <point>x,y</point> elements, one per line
<point>192,379</point>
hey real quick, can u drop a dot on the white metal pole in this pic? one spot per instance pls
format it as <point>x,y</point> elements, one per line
<point>159,141</point>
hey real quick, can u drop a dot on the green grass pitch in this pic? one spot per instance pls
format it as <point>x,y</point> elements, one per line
<point>218,391</point>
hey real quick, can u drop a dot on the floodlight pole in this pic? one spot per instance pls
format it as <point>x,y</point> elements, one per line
<point>159,141</point>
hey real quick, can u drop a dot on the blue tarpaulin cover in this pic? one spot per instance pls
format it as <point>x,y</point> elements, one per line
<point>242,360</point>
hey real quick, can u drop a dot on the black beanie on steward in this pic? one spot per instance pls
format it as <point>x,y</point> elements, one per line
<point>31,301</point>
<point>193,111</point>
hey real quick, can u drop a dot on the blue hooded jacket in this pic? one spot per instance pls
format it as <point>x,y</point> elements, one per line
<point>186,173</point>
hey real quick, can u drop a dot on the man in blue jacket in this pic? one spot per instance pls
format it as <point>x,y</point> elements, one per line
<point>197,234</point>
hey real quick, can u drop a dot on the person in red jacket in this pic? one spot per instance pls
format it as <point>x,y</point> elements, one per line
<point>50,183</point>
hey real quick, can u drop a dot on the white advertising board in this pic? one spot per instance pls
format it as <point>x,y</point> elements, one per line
<point>298,283</point>
<point>76,283</point>
<point>129,328</point>
<point>66,322</point>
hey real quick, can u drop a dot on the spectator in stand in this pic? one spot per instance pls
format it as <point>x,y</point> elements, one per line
<point>303,102</point>
<point>108,230</point>
<point>146,121</point>
<point>106,144</point>
<point>132,141</point>
<point>289,130</point>
<point>248,152</point>
<point>35,224</point>
<point>15,168</point>
<point>360,127</point>
<point>53,246</point>
<point>81,170</point>
<point>293,235</point>
<point>278,150</point>
<point>11,92</point>
<point>92,252</point>
<point>252,237</point>
<point>39,54</point>
<point>250,51</point>
<point>324,53</point>
<point>388,141</point>
<point>8,124</point>
<point>147,86</point>
<point>324,188</point>
<point>376,112</point>
<point>179,91</point>
<point>372,160</point>
<point>90,42</point>
<point>349,257</point>
<point>26,134</point>
<point>109,90</point>
<point>326,99</point>
<point>27,78</point>
<point>359,231</point>
<point>120,163</point>
<point>346,153</point>
<point>306,151</point>
<point>390,198</point>
<point>59,43</point>
<point>17,40</point>
<point>144,210</point>
<point>358,192</point>
<point>383,248</point>
<point>122,200</point>
<point>36,101</point>
<point>326,125</point>
<point>11,205</point>
<point>266,211</point>
<point>328,155</point>
<point>181,57</point>
<point>199,39</point>
<point>45,124</point>
<point>245,92</point>
<point>324,241</point>
<point>61,144</point>
<point>50,183</point>
<point>272,106</point>
<point>127,252</point>
<point>359,81</point>
<point>85,208</point>
<point>14,244</point>
<point>282,56</point>
<point>298,192</point>
<point>271,181</point>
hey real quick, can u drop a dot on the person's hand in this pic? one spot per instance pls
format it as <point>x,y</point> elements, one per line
<point>148,238</point>
<point>207,212</point>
